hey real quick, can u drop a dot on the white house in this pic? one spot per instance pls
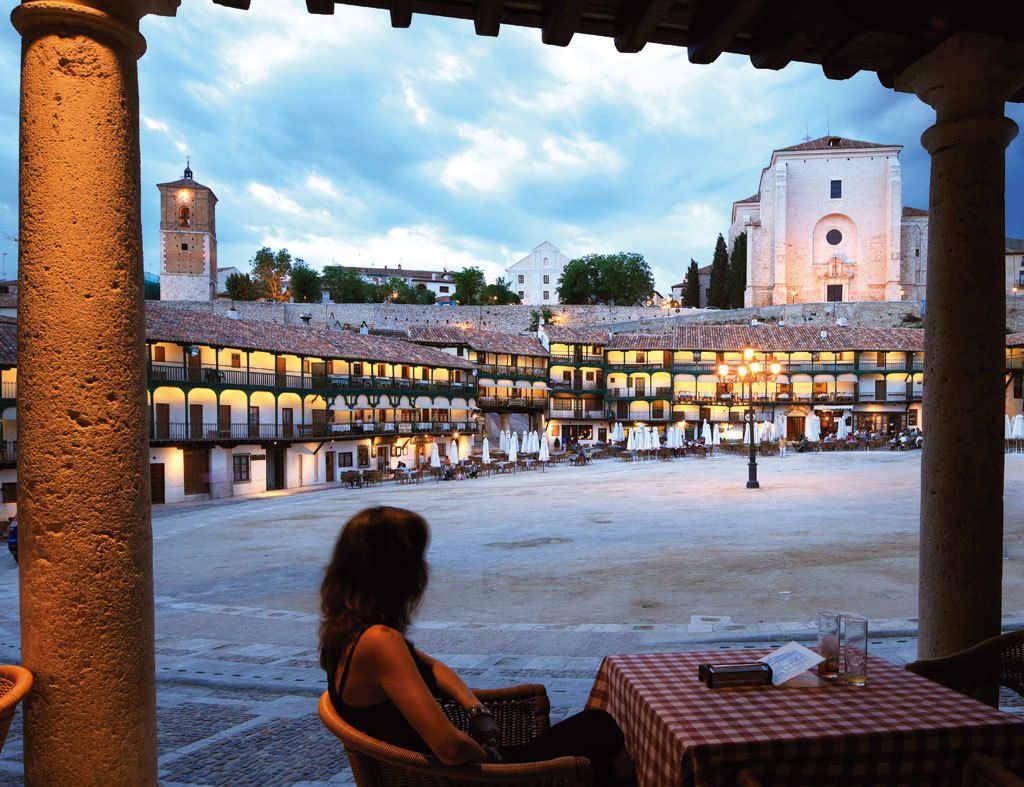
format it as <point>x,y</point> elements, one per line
<point>535,277</point>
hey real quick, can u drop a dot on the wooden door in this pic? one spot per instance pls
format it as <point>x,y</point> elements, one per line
<point>282,375</point>
<point>287,422</point>
<point>197,471</point>
<point>320,423</point>
<point>794,427</point>
<point>225,420</point>
<point>156,483</point>
<point>195,371</point>
<point>254,421</point>
<point>163,421</point>
<point>195,421</point>
<point>329,461</point>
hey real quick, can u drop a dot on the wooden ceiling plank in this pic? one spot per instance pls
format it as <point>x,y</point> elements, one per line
<point>637,23</point>
<point>401,13</point>
<point>560,20</point>
<point>320,6</point>
<point>487,17</point>
<point>715,25</point>
<point>777,46</point>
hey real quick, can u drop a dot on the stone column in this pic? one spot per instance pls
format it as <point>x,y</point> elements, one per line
<point>967,80</point>
<point>83,491</point>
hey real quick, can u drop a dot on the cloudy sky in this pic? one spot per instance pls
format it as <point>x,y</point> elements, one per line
<point>347,141</point>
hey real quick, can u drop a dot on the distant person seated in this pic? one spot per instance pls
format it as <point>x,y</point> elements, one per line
<point>401,465</point>
<point>802,446</point>
<point>556,444</point>
<point>383,686</point>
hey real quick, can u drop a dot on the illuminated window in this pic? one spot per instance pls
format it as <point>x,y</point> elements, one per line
<point>184,216</point>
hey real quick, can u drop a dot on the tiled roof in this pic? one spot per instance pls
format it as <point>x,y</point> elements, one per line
<point>909,212</point>
<point>8,342</point>
<point>833,143</point>
<point>476,339</point>
<point>186,183</point>
<point>725,338</point>
<point>563,334</point>
<point>196,327</point>
<point>1015,245</point>
<point>8,300</point>
<point>402,273</point>
<point>752,198</point>
<point>1015,340</point>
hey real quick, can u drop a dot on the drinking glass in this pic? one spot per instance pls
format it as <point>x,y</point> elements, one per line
<point>855,650</point>
<point>828,644</point>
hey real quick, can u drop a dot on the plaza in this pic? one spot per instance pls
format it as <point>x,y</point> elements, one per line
<point>535,577</point>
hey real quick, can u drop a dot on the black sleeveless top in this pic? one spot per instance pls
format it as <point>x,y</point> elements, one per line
<point>383,720</point>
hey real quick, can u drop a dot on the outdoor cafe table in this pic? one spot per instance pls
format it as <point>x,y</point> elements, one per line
<point>899,729</point>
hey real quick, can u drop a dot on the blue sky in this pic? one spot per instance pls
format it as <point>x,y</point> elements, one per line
<point>347,141</point>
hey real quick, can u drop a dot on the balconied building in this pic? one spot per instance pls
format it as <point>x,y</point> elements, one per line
<point>876,375</point>
<point>240,407</point>
<point>1014,374</point>
<point>512,369</point>
<point>576,377</point>
<point>8,416</point>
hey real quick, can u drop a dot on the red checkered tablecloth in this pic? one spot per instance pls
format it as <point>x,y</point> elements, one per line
<point>899,729</point>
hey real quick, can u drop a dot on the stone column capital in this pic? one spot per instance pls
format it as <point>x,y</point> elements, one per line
<point>112,19</point>
<point>968,74</point>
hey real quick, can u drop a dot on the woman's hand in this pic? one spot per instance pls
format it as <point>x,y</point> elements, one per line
<point>483,729</point>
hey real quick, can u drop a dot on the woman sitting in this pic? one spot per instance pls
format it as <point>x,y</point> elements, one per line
<point>382,685</point>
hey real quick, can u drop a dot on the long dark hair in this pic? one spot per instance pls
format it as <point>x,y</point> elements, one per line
<point>377,574</point>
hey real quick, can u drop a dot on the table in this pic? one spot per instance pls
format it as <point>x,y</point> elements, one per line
<point>899,729</point>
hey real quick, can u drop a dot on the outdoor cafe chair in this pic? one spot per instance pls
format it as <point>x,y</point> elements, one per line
<point>980,670</point>
<point>521,712</point>
<point>981,770</point>
<point>15,683</point>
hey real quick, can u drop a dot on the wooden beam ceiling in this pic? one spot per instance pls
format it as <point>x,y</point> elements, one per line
<point>638,21</point>
<point>487,17</point>
<point>715,24</point>
<point>560,20</point>
<point>401,13</point>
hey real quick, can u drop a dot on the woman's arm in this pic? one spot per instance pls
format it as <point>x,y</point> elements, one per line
<point>398,677</point>
<point>449,684</point>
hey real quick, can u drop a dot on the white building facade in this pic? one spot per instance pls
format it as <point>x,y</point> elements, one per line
<point>828,224</point>
<point>535,277</point>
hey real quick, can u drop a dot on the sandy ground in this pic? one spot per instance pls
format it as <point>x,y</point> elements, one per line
<point>610,543</point>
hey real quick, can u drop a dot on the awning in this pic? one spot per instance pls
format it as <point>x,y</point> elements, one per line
<point>833,407</point>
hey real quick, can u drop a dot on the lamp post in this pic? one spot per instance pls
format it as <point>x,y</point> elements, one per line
<point>748,372</point>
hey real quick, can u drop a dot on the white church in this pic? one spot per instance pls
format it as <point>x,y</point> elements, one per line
<point>828,224</point>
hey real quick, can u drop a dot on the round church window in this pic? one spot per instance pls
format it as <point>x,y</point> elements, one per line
<point>834,237</point>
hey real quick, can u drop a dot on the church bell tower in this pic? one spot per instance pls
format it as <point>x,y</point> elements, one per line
<point>188,240</point>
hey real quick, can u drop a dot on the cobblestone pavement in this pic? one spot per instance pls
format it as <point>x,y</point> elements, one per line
<point>237,715</point>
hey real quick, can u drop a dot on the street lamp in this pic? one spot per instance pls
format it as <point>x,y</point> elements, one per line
<point>748,372</point>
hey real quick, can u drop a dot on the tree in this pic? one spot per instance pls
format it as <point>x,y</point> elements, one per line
<point>241,287</point>
<point>397,291</point>
<point>738,271</point>
<point>469,286</point>
<point>499,293</point>
<point>578,282</point>
<point>306,286</point>
<point>691,286</point>
<point>718,288</point>
<point>344,285</point>
<point>622,279</point>
<point>268,270</point>
<point>537,315</point>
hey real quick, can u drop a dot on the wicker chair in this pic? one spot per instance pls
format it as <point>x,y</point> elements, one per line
<point>521,712</point>
<point>980,670</point>
<point>983,771</point>
<point>15,683</point>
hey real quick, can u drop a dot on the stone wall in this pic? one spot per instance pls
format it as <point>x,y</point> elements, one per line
<point>516,319</point>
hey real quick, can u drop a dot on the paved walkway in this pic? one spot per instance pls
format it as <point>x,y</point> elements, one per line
<point>231,714</point>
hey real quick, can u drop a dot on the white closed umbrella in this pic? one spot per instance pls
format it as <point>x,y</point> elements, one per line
<point>746,433</point>
<point>1017,432</point>
<point>620,434</point>
<point>716,435</point>
<point>502,441</point>
<point>454,451</point>
<point>813,428</point>
<point>435,457</point>
<point>631,440</point>
<point>486,452</point>
<point>780,425</point>
<point>655,438</point>
<point>706,432</point>
<point>842,430</point>
<point>1007,428</point>
<point>544,453</point>
<point>536,442</point>
<point>762,431</point>
<point>513,448</point>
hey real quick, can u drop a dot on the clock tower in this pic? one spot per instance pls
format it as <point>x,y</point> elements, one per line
<point>188,240</point>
